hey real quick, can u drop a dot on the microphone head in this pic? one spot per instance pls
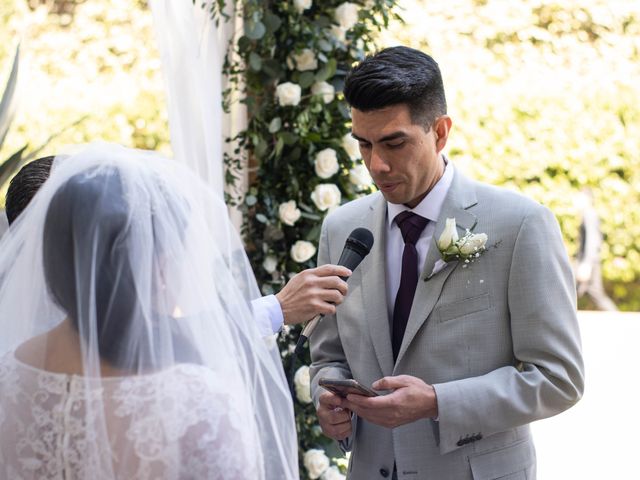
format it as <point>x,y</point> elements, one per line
<point>361,240</point>
<point>357,246</point>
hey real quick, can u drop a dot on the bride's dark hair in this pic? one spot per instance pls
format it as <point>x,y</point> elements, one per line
<point>89,271</point>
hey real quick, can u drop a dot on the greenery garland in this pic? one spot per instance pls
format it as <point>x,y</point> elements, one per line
<point>289,66</point>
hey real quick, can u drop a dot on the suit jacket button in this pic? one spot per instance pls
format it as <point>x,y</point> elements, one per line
<point>384,472</point>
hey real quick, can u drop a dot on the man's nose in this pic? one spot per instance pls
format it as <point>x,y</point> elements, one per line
<point>378,163</point>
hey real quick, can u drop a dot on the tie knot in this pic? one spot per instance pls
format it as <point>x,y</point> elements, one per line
<point>411,225</point>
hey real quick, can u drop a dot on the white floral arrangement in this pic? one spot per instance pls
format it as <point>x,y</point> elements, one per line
<point>466,248</point>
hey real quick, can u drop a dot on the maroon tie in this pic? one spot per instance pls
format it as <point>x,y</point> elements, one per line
<point>411,226</point>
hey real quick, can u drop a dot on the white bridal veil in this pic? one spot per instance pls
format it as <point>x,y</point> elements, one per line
<point>128,348</point>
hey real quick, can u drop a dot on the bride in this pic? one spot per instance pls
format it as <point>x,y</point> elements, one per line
<point>127,344</point>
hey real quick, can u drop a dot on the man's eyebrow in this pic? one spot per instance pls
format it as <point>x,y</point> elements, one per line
<point>386,138</point>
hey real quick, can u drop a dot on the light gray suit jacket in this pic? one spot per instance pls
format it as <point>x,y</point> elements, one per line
<point>498,339</point>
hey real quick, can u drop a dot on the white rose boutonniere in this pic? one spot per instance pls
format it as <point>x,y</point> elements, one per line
<point>301,251</point>
<point>326,163</point>
<point>289,213</point>
<point>316,462</point>
<point>288,94</point>
<point>467,248</point>
<point>302,382</point>
<point>326,196</point>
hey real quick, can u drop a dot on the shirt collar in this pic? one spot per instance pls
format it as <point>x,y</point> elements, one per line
<point>431,204</point>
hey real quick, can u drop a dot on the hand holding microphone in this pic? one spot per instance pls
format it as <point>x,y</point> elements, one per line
<point>357,246</point>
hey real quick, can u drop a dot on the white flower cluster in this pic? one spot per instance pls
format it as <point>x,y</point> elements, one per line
<point>317,465</point>
<point>325,89</point>
<point>303,61</point>
<point>302,382</point>
<point>302,5</point>
<point>467,248</point>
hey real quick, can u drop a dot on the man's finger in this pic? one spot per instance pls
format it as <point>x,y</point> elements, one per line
<point>332,283</point>
<point>329,270</point>
<point>391,383</point>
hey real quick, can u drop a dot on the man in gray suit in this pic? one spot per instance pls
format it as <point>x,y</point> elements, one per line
<point>468,352</point>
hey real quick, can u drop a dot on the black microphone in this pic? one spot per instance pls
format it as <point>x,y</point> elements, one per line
<point>357,246</point>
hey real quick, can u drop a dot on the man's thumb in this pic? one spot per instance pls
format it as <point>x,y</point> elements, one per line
<point>389,383</point>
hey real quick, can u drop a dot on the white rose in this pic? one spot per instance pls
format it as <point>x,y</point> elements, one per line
<point>326,196</point>
<point>316,462</point>
<point>339,33</point>
<point>302,381</point>
<point>473,243</point>
<point>288,94</point>
<point>351,146</point>
<point>333,473</point>
<point>302,5</point>
<point>325,89</point>
<point>288,212</point>
<point>305,60</point>
<point>301,251</point>
<point>326,163</point>
<point>347,15</point>
<point>449,236</point>
<point>270,263</point>
<point>359,176</point>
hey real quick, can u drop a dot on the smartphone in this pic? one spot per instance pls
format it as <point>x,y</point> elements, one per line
<point>344,387</point>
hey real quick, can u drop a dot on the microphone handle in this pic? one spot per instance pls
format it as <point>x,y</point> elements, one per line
<point>311,325</point>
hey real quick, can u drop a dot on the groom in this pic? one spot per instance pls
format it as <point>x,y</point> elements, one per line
<point>467,354</point>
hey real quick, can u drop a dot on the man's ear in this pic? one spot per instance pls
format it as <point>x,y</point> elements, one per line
<point>441,128</point>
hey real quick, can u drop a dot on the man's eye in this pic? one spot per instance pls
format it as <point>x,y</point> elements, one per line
<point>395,145</point>
<point>364,144</point>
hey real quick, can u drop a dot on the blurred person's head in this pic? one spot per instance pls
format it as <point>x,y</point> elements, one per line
<point>25,185</point>
<point>399,117</point>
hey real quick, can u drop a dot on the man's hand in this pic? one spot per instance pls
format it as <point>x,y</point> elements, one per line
<point>411,400</point>
<point>311,292</point>
<point>334,419</point>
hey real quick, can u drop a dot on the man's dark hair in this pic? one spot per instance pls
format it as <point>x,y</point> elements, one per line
<point>24,186</point>
<point>398,75</point>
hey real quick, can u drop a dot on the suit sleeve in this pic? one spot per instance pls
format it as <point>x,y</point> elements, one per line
<point>549,375</point>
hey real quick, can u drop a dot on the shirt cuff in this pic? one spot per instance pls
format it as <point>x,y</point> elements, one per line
<point>268,314</point>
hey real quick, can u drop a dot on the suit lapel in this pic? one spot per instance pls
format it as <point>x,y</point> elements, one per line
<point>460,197</point>
<point>374,286</point>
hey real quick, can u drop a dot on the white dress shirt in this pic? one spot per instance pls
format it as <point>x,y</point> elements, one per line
<point>268,315</point>
<point>429,208</point>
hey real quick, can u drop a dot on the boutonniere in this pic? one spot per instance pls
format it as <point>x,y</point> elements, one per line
<point>466,248</point>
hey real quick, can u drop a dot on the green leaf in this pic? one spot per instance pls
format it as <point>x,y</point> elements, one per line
<point>260,147</point>
<point>251,200</point>
<point>289,138</point>
<point>306,79</point>
<point>327,71</point>
<point>255,62</point>
<point>261,218</point>
<point>275,125</point>
<point>255,30</point>
<point>324,45</point>
<point>7,104</point>
<point>272,21</point>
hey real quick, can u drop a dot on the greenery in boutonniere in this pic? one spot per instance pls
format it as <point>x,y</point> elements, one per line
<point>467,248</point>
<point>289,66</point>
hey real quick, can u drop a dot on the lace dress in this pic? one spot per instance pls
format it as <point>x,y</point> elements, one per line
<point>186,422</point>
